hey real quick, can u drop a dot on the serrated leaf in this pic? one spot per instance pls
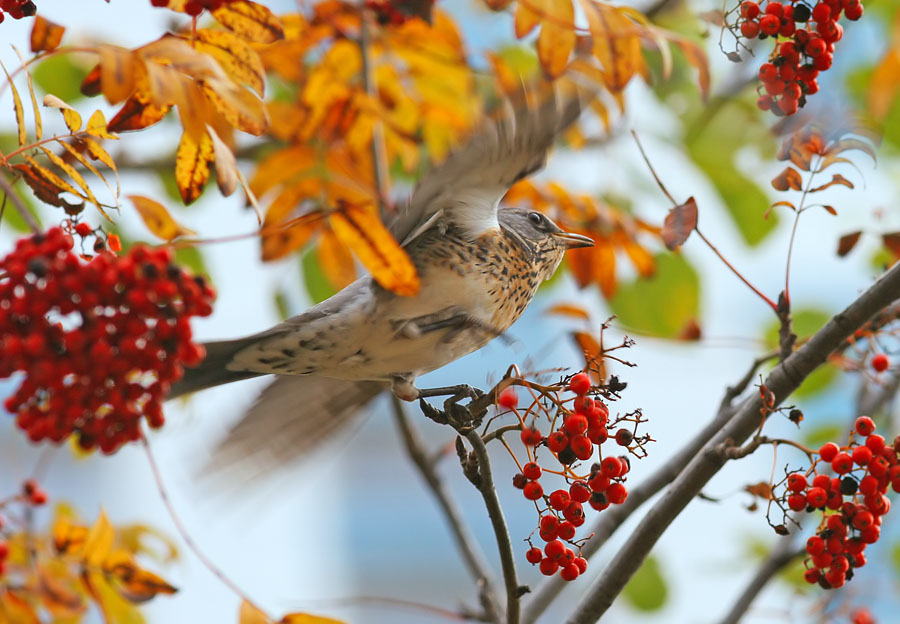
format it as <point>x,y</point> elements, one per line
<point>361,230</point>
<point>157,218</point>
<point>847,242</point>
<point>252,21</point>
<point>680,222</point>
<point>647,590</point>
<point>192,160</point>
<point>45,35</point>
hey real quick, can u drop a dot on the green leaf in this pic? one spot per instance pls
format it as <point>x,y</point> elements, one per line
<point>895,558</point>
<point>663,304</point>
<point>60,76</point>
<point>714,149</point>
<point>317,285</point>
<point>806,322</point>
<point>647,590</point>
<point>192,258</point>
<point>828,432</point>
<point>281,304</point>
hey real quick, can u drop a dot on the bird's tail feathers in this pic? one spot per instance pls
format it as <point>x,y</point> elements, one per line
<point>213,371</point>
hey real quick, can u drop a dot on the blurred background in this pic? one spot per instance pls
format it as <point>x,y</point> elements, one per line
<point>352,532</point>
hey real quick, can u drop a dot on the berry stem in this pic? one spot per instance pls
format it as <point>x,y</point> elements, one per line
<point>761,295</point>
<point>182,531</point>
<point>797,213</point>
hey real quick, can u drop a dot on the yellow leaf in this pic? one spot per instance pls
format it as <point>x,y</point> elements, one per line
<point>234,54</point>
<point>38,124</point>
<point>133,538</point>
<point>45,35</point>
<point>74,153</point>
<point>98,543</point>
<point>251,20</point>
<point>117,73</point>
<point>617,44</point>
<point>885,83</point>
<point>98,153</point>
<point>557,38</point>
<point>192,162</point>
<point>97,126</point>
<point>280,166</point>
<point>240,107</point>
<point>70,115</point>
<point>335,260</point>
<point>115,609</point>
<point>56,591</point>
<point>250,614</point>
<point>306,618</point>
<point>17,107</point>
<point>76,177</point>
<point>131,581</point>
<point>283,233</point>
<point>68,537</point>
<point>359,227</point>
<point>53,179</point>
<point>227,176</point>
<point>157,218</point>
<point>16,610</point>
<point>526,18</point>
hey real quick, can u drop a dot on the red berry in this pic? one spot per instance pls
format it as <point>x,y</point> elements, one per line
<point>560,499</point>
<point>575,424</point>
<point>768,72</point>
<point>862,455</point>
<point>769,24</point>
<point>555,549</point>
<point>828,451</point>
<point>796,482</point>
<point>582,447</point>
<point>624,437</point>
<point>532,471</point>
<point>533,490</point>
<point>815,46</point>
<point>821,12</point>
<point>854,12</point>
<point>566,531</point>
<point>508,398</point>
<point>616,493</point>
<point>549,523</point>
<point>569,572</point>
<point>815,546</point>
<point>83,229</point>
<point>816,497</point>
<point>557,441</point>
<point>582,564</point>
<point>775,8</point>
<point>811,576</point>
<point>862,520</point>
<point>531,436</point>
<point>880,362</point>
<point>548,566</point>
<point>580,383</point>
<point>580,491</point>
<point>749,9</point>
<point>534,555</point>
<point>797,502</point>
<point>611,467</point>
<point>750,30</point>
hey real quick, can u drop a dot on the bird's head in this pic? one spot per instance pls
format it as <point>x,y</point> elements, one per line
<point>538,234</point>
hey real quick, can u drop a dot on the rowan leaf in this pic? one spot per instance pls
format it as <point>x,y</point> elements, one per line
<point>45,35</point>
<point>557,38</point>
<point>788,179</point>
<point>891,240</point>
<point>835,179</point>
<point>157,218</point>
<point>15,609</point>
<point>592,352</point>
<point>44,188</point>
<point>569,309</point>
<point>680,222</point>
<point>97,126</point>
<point>250,614</point>
<point>250,20</point>
<point>760,490</point>
<point>240,61</point>
<point>240,107</point>
<point>118,68</point>
<point>38,123</point>
<point>847,242</point>
<point>56,592</point>
<point>98,153</point>
<point>98,543</point>
<point>526,19</point>
<point>227,174</point>
<point>306,618</point>
<point>131,581</point>
<point>192,160</point>
<point>22,133</point>
<point>61,185</point>
<point>359,227</point>
<point>617,43</point>
<point>136,115</point>
<point>70,115</point>
<point>830,210</point>
<point>281,235</point>
<point>80,157</point>
<point>696,58</point>
<point>75,176</point>
<point>884,84</point>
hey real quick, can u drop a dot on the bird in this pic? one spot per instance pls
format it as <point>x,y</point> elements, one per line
<point>479,267</point>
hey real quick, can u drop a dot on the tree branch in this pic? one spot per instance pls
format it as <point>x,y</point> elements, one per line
<point>19,204</point>
<point>781,382</point>
<point>466,542</point>
<point>501,532</point>
<point>379,157</point>
<point>780,556</point>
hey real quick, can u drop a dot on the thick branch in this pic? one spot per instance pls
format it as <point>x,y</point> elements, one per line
<point>495,512</point>
<point>19,204</point>
<point>781,382</point>
<point>782,555</point>
<point>465,541</point>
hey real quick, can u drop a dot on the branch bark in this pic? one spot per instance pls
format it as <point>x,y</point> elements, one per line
<point>465,541</point>
<point>20,206</point>
<point>781,382</point>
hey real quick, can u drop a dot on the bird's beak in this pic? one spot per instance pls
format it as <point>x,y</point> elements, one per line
<point>574,241</point>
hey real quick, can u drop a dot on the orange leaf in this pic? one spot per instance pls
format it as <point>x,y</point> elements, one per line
<point>570,309</point>
<point>157,218</point>
<point>250,614</point>
<point>240,107</point>
<point>305,618</point>
<point>16,610</point>
<point>642,259</point>
<point>335,260</point>
<point>61,600</point>
<point>251,20</point>
<point>526,19</point>
<point>788,179</point>
<point>847,242</point>
<point>136,115</point>
<point>885,84</point>
<point>192,162</point>
<point>131,581</point>
<point>557,38</point>
<point>117,73</point>
<point>679,224</point>
<point>45,35</point>
<point>891,240</point>
<point>604,267</point>
<point>617,43</point>
<point>361,230</point>
<point>240,61</point>
<point>280,238</point>
<point>761,490</point>
<point>592,352</point>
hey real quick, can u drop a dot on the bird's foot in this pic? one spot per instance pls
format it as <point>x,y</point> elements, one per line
<point>454,414</point>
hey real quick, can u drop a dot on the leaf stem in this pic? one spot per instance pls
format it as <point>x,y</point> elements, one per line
<point>797,213</point>
<point>759,293</point>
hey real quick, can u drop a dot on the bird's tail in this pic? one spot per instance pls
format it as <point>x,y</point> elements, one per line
<point>213,371</point>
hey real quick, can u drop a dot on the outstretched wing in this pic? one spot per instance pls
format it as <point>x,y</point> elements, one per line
<point>466,189</point>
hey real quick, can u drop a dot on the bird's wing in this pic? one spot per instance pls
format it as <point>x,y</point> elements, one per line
<point>467,187</point>
<point>288,421</point>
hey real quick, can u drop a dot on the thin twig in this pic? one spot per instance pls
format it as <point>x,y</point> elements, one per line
<point>468,545</point>
<point>780,557</point>
<point>19,204</point>
<point>498,521</point>
<point>781,382</point>
<point>716,251</point>
<point>379,156</point>
<point>183,532</point>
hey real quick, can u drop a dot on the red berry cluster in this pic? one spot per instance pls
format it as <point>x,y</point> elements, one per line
<point>852,502</point>
<point>195,7</point>
<point>390,11</point>
<point>99,342</point>
<point>17,9</point>
<point>804,38</point>
<point>582,428</point>
<point>31,494</point>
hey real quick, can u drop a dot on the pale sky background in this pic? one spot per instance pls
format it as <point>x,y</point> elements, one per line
<point>356,520</point>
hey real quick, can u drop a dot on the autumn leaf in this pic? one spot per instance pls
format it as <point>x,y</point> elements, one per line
<point>97,126</point>
<point>131,581</point>
<point>788,179</point>
<point>569,309</point>
<point>99,542</point>
<point>251,614</point>
<point>590,347</point>
<point>847,242</point>
<point>835,179</point>
<point>70,115</point>
<point>306,618</point>
<point>240,61</point>
<point>250,20</point>
<point>192,160</point>
<point>22,133</point>
<point>227,173</point>
<point>885,83</point>
<point>760,490</point>
<point>45,35</point>
<point>680,222</point>
<point>157,218</point>
<point>118,68</point>
<point>335,260</point>
<point>137,115</point>
<point>891,240</point>
<point>557,37</point>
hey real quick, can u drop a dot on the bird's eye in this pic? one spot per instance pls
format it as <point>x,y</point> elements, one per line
<point>536,218</point>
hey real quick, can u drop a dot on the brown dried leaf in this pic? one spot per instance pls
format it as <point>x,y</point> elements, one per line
<point>680,222</point>
<point>45,35</point>
<point>157,218</point>
<point>760,490</point>
<point>891,240</point>
<point>252,21</point>
<point>830,210</point>
<point>847,242</point>
<point>136,115</point>
<point>835,179</point>
<point>790,178</point>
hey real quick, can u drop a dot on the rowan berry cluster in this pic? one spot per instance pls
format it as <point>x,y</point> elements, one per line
<point>388,11</point>
<point>577,433</point>
<point>805,35</point>
<point>852,502</point>
<point>99,341</point>
<point>31,494</point>
<point>195,7</point>
<point>17,9</point>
